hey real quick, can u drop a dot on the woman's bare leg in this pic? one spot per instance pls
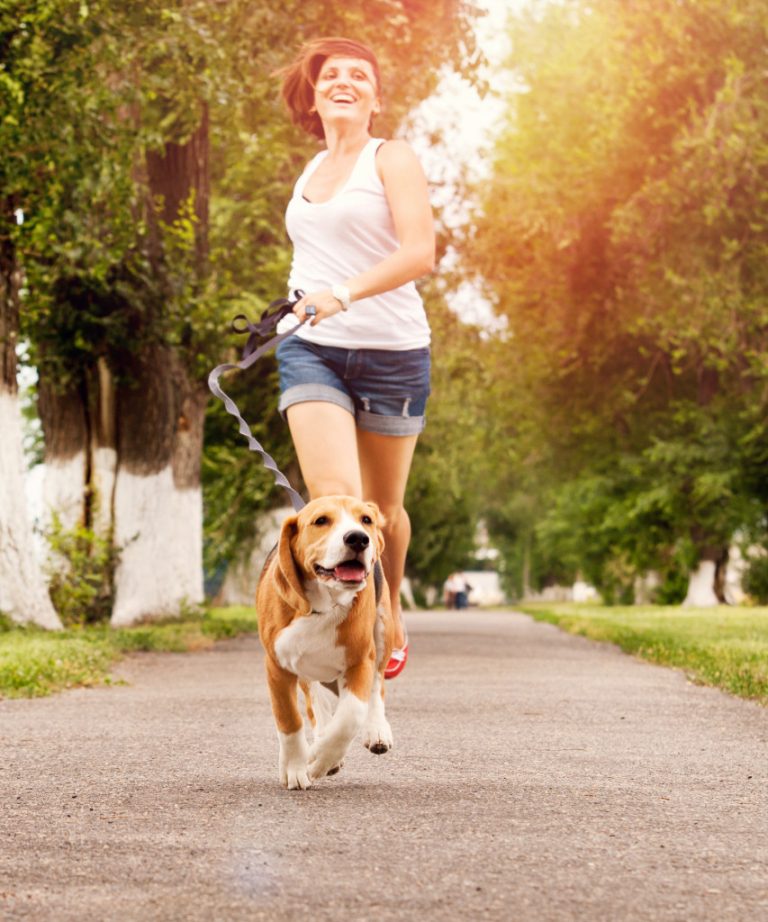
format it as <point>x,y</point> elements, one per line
<point>335,457</point>
<point>325,440</point>
<point>385,461</point>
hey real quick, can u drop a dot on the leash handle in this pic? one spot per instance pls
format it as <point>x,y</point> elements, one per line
<point>274,313</point>
<point>269,320</point>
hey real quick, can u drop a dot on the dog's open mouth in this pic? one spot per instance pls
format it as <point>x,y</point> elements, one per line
<point>348,571</point>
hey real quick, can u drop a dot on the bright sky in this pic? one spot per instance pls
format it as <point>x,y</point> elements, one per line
<point>465,120</point>
<point>467,124</point>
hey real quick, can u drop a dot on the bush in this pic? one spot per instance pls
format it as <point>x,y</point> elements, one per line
<point>80,571</point>
<point>755,580</point>
<point>673,587</point>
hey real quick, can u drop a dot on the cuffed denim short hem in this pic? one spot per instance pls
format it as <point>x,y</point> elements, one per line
<point>390,425</point>
<point>304,393</point>
<point>385,390</point>
<point>370,422</point>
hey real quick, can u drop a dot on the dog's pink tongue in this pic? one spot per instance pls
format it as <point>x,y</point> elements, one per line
<point>351,571</point>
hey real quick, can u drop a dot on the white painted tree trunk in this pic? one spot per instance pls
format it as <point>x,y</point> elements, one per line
<point>103,453</point>
<point>701,586</point>
<point>734,576</point>
<point>159,529</point>
<point>63,489</point>
<point>103,479</point>
<point>239,586</point>
<point>23,592</point>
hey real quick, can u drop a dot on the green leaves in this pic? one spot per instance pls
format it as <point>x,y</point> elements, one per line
<point>93,95</point>
<point>623,233</point>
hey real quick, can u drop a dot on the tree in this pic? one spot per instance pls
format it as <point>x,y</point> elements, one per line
<point>39,104</point>
<point>624,234</point>
<point>146,238</point>
<point>23,594</point>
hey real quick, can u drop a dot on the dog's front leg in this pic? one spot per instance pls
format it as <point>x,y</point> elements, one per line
<point>377,734</point>
<point>294,752</point>
<point>354,692</point>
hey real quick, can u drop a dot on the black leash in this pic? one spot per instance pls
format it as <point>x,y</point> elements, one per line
<point>251,354</point>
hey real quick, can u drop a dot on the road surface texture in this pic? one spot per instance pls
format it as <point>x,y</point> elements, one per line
<point>536,776</point>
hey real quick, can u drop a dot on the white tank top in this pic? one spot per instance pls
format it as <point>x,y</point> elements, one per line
<point>341,238</point>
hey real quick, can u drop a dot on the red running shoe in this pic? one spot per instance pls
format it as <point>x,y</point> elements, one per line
<point>397,662</point>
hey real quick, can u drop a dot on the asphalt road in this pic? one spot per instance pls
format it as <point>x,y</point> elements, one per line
<point>535,776</point>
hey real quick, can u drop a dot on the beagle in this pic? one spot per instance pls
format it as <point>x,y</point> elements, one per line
<point>325,618</point>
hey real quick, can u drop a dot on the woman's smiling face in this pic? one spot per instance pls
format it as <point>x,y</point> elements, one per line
<point>346,89</point>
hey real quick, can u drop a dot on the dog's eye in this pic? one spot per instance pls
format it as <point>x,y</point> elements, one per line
<point>321,520</point>
<point>367,520</point>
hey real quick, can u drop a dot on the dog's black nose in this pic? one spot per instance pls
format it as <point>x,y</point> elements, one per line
<point>357,540</point>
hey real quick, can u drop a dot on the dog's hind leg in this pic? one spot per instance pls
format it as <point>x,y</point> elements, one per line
<point>321,703</point>
<point>347,720</point>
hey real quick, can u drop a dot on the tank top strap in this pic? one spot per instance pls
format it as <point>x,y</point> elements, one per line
<point>365,164</point>
<point>367,159</point>
<point>309,169</point>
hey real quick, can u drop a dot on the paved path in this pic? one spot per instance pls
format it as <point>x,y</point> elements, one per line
<point>536,776</point>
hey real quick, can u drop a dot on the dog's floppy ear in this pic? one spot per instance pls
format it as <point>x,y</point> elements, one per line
<point>378,520</point>
<point>287,578</point>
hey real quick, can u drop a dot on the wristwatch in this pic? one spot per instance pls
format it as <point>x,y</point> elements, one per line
<point>341,293</point>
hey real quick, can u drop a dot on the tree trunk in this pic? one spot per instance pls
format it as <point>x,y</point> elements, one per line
<point>158,497</point>
<point>65,427</point>
<point>158,509</point>
<point>102,449</point>
<point>706,584</point>
<point>23,593</point>
<point>123,453</point>
<point>80,449</point>
<point>181,171</point>
<point>526,577</point>
<point>239,585</point>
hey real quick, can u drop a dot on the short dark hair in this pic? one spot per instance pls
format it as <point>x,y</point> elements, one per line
<point>300,76</point>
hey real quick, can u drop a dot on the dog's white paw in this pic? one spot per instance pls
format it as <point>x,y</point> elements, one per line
<point>295,777</point>
<point>324,760</point>
<point>293,768</point>
<point>377,736</point>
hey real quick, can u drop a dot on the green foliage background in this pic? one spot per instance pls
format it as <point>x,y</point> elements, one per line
<point>88,90</point>
<point>623,231</point>
<point>617,425</point>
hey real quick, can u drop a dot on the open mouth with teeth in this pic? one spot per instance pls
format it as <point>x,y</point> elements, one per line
<point>348,571</point>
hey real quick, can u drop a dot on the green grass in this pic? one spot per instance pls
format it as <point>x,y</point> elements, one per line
<point>34,663</point>
<point>724,647</point>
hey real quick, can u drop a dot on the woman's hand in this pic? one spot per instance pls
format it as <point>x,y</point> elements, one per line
<point>324,303</point>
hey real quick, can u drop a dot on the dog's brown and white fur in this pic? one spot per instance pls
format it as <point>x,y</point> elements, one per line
<point>319,622</point>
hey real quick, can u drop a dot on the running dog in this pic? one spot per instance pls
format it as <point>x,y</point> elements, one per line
<point>325,620</point>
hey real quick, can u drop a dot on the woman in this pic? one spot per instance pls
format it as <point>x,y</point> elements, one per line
<point>355,380</point>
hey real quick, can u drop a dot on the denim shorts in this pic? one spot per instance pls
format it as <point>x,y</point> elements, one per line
<point>385,390</point>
